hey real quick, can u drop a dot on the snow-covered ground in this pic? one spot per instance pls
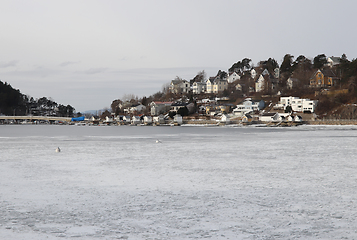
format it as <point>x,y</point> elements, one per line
<point>198,182</point>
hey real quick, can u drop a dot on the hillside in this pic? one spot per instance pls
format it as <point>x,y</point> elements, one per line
<point>13,102</point>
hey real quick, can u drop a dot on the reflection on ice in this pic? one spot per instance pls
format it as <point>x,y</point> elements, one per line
<point>204,182</point>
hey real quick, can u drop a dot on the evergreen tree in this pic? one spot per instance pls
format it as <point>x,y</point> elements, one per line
<point>320,61</point>
<point>286,65</point>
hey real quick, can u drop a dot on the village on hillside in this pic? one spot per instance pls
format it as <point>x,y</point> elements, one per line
<point>296,92</point>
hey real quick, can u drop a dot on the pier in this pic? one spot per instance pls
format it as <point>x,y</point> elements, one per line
<point>36,118</point>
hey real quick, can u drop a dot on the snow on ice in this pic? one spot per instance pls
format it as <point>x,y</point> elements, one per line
<point>200,182</point>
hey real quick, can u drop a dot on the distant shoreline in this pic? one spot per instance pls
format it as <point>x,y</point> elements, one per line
<point>211,122</point>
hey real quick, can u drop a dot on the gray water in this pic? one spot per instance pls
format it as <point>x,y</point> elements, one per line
<point>197,182</point>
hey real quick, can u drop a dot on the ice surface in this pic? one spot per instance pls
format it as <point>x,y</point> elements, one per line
<point>199,182</point>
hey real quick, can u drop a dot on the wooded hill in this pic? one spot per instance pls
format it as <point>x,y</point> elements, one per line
<point>342,92</point>
<point>13,102</point>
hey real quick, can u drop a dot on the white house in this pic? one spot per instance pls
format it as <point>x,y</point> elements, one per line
<point>216,85</point>
<point>266,81</point>
<point>135,120</point>
<point>220,85</point>
<point>297,104</point>
<point>291,82</point>
<point>179,86</point>
<point>198,87</point>
<point>241,110</point>
<point>259,83</point>
<point>282,116</point>
<point>108,119</point>
<point>294,118</point>
<point>286,101</point>
<point>248,106</point>
<point>126,119</point>
<point>225,119</point>
<point>178,119</point>
<point>332,61</point>
<point>159,119</point>
<point>239,87</point>
<point>307,106</point>
<point>297,118</point>
<point>253,73</point>
<point>117,118</point>
<point>137,108</point>
<point>209,85</point>
<point>147,120</point>
<point>269,117</point>
<point>157,108</point>
<point>233,77</point>
<point>290,118</point>
<point>95,119</point>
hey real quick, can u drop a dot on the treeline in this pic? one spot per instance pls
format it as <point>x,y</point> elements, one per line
<point>13,102</point>
<point>301,68</point>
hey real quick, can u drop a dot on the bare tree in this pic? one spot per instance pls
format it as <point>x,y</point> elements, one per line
<point>165,88</point>
<point>129,98</point>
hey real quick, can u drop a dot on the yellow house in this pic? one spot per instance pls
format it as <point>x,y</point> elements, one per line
<point>247,118</point>
<point>323,78</point>
<point>212,109</point>
<point>226,108</point>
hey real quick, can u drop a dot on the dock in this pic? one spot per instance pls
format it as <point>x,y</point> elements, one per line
<point>36,118</point>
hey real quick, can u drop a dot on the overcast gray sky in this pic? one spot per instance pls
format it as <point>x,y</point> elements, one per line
<point>88,53</point>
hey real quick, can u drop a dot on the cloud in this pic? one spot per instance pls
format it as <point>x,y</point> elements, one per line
<point>95,70</point>
<point>65,64</point>
<point>9,64</point>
